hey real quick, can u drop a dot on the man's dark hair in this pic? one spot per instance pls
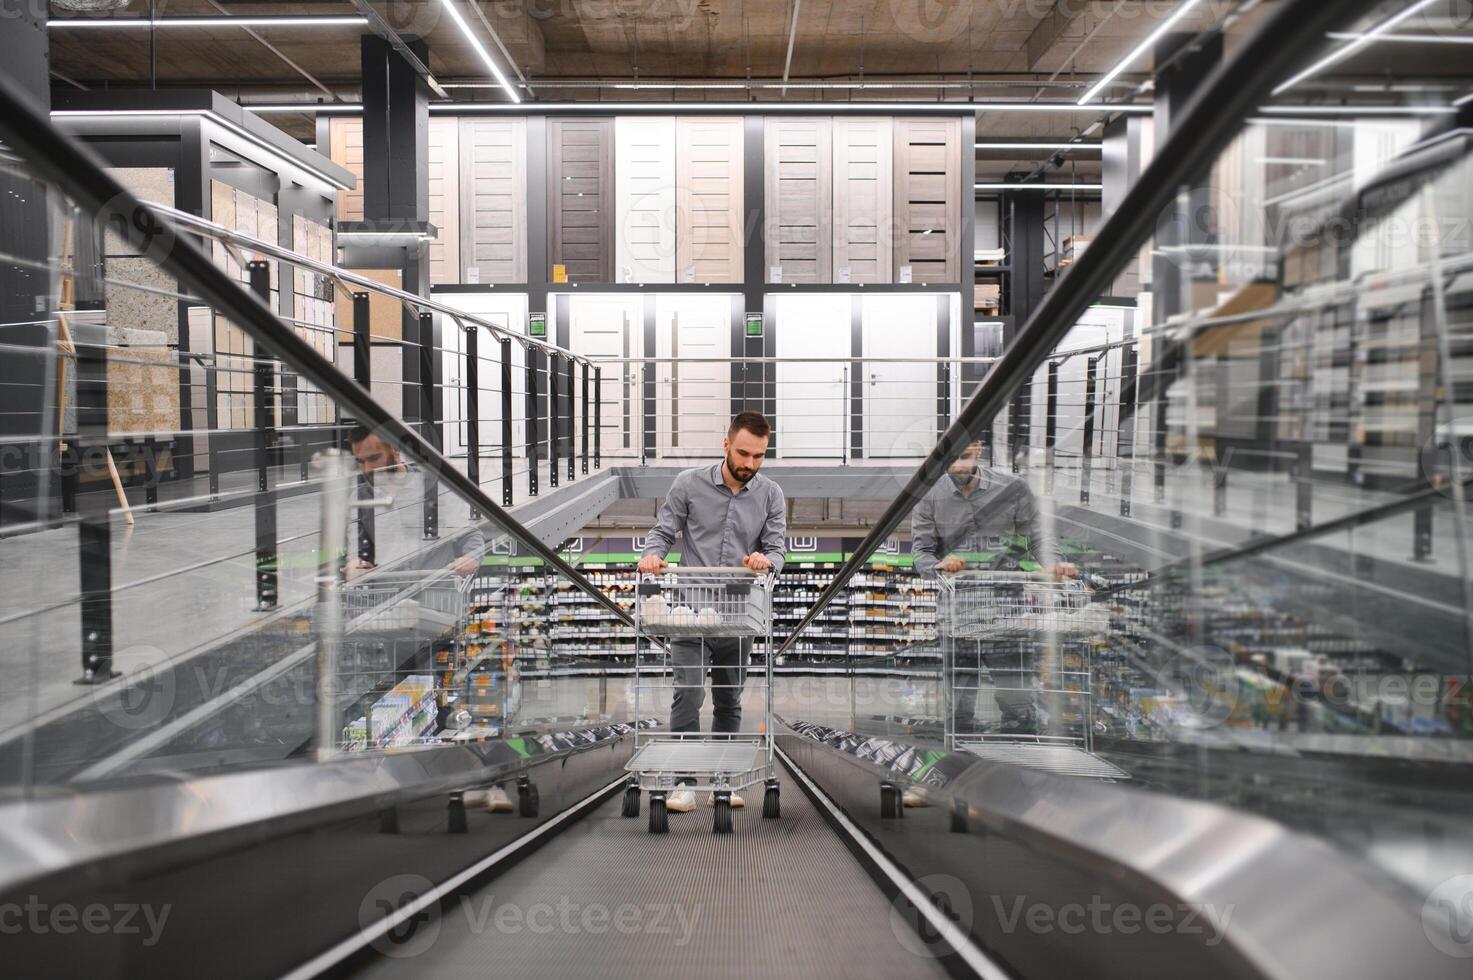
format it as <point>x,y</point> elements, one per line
<point>753,422</point>
<point>357,434</point>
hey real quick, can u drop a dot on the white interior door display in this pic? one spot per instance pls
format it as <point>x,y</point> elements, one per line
<point>503,309</point>
<point>899,396</point>
<point>601,326</point>
<point>812,398</point>
<point>692,397</point>
<point>799,171</point>
<point>493,199</point>
<point>644,195</point>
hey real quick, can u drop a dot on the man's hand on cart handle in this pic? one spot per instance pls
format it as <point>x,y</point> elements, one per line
<point>355,568</point>
<point>464,565</point>
<point>757,562</point>
<point>1064,569</point>
<point>951,564</point>
<point>652,564</point>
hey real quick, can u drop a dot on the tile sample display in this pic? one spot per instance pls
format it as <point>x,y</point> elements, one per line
<point>798,174</point>
<point>493,200</point>
<point>927,199</point>
<point>863,199</point>
<point>709,213</point>
<point>644,194</point>
<point>580,191</point>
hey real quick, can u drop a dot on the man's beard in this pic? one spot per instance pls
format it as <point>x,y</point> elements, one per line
<point>962,479</point>
<point>737,474</point>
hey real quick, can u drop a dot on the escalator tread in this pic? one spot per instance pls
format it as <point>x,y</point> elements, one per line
<point>778,897</point>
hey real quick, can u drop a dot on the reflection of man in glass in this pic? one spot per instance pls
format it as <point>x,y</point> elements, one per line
<point>399,531</point>
<point>976,511</point>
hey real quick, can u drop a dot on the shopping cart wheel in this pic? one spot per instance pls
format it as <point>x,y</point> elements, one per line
<point>631,801</point>
<point>771,801</point>
<point>527,799</point>
<point>891,806</point>
<point>722,823</point>
<point>659,819</point>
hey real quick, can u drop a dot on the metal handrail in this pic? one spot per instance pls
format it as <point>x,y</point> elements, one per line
<point>339,275</point>
<point>1206,125</point>
<point>736,359</point>
<point>80,175</point>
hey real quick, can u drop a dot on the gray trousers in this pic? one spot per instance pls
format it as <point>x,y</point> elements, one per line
<point>1008,667</point>
<point>727,658</point>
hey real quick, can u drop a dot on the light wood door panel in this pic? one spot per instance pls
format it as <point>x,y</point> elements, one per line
<point>863,199</point>
<point>444,199</point>
<point>927,198</point>
<point>709,207</point>
<point>798,178</point>
<point>345,148</point>
<point>493,199</point>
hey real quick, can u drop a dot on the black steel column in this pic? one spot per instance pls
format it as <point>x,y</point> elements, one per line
<point>584,443</point>
<point>264,389</point>
<point>473,407</point>
<point>1023,212</point>
<point>94,531</point>
<point>1129,360</point>
<point>598,428</point>
<point>568,433</point>
<point>554,371</point>
<point>1091,368</point>
<point>363,374</point>
<point>531,434</point>
<point>1050,426</point>
<point>430,414</point>
<point>506,476</point>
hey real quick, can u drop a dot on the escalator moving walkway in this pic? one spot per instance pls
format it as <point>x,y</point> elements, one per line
<point>605,897</point>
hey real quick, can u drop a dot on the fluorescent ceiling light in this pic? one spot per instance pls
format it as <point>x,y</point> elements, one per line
<point>1067,147</point>
<point>1405,38</point>
<point>167,22</point>
<point>768,108</point>
<point>1038,187</point>
<point>1292,161</point>
<point>1357,110</point>
<point>480,49</point>
<point>1140,49</point>
<point>1464,100</point>
<point>326,108</point>
<point>1341,53</point>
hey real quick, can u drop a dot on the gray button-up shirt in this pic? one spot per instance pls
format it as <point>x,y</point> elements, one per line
<point>1002,505</point>
<point>718,527</point>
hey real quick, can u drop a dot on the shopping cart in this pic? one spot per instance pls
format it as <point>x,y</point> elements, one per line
<point>701,604</point>
<point>409,604</point>
<point>1037,635</point>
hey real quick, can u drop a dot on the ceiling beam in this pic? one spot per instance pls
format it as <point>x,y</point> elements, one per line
<point>383,30</point>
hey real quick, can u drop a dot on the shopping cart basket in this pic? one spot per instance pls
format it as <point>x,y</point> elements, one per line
<point>700,604</point>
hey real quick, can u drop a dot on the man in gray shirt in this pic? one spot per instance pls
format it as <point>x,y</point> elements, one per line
<point>978,509</point>
<point>726,514</point>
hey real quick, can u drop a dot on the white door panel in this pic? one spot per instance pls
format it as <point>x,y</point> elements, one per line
<point>812,398</point>
<point>612,326</point>
<point>899,397</point>
<point>692,398</point>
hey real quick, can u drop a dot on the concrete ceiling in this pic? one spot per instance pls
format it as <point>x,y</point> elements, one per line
<point>1044,50</point>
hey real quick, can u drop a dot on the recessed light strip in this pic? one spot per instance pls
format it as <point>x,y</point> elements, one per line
<point>1065,147</point>
<point>1140,49</point>
<point>480,49</point>
<point>1341,53</point>
<point>70,23</point>
<point>1038,187</point>
<point>1404,38</point>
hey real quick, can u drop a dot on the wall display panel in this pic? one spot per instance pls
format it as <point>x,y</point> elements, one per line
<point>899,396</point>
<point>798,175</point>
<point>927,202</point>
<point>443,183</point>
<point>612,326</point>
<point>863,199</point>
<point>385,314</point>
<point>692,399</point>
<point>345,148</point>
<point>580,188</point>
<point>709,199</point>
<point>645,192</point>
<point>812,397</point>
<point>493,200</point>
<point>314,310</point>
<point>234,349</point>
<point>508,311</point>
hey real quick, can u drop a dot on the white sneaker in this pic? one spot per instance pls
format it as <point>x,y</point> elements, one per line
<point>497,801</point>
<point>681,801</point>
<point>736,801</point>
